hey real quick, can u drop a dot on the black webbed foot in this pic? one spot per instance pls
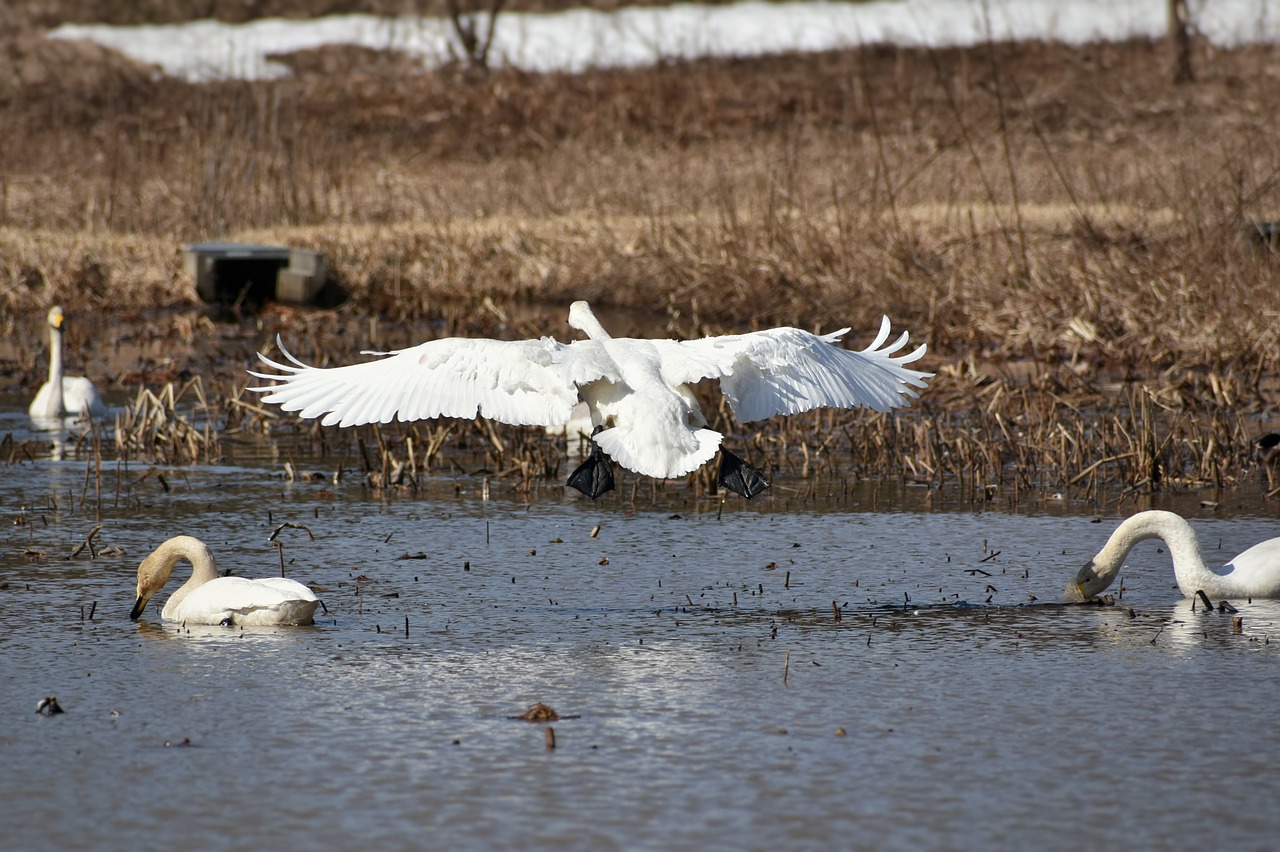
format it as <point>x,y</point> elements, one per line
<point>595,475</point>
<point>740,477</point>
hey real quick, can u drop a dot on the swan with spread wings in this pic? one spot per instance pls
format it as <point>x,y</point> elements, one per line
<point>644,413</point>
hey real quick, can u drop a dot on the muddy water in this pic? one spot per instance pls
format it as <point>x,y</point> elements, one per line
<point>695,650</point>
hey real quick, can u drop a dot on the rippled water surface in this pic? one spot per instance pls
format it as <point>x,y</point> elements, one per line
<point>713,698</point>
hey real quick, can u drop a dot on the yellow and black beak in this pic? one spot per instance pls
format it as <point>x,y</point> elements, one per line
<point>138,606</point>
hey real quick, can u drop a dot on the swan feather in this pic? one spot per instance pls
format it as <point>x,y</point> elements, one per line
<point>520,382</point>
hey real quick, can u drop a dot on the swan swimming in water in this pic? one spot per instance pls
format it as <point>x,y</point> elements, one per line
<point>645,416</point>
<point>64,395</point>
<point>1254,573</point>
<point>207,598</point>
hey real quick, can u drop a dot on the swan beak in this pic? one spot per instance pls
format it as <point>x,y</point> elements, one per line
<point>138,606</point>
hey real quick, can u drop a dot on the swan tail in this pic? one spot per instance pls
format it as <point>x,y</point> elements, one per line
<point>639,447</point>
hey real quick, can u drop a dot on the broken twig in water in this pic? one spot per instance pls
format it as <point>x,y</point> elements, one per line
<point>88,542</point>
<point>290,525</point>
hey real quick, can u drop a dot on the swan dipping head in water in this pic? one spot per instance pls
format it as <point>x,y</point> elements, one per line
<point>207,598</point>
<point>62,395</point>
<point>1253,574</point>
<point>645,416</point>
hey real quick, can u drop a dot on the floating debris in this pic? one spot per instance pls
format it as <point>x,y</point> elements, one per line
<point>541,713</point>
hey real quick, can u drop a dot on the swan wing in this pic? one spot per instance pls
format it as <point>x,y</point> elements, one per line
<point>79,396</point>
<point>520,382</point>
<point>244,601</point>
<point>788,370</point>
<point>289,587</point>
<point>42,405</point>
<point>1256,571</point>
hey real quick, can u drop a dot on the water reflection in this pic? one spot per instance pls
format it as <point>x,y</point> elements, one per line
<point>699,649</point>
<point>1190,625</point>
<point>214,635</point>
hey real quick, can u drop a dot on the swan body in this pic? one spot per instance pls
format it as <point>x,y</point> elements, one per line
<point>207,598</point>
<point>1254,573</point>
<point>637,390</point>
<point>64,395</point>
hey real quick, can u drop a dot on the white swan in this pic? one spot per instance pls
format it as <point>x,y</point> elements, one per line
<point>63,395</point>
<point>207,598</point>
<point>1254,573</point>
<point>646,417</point>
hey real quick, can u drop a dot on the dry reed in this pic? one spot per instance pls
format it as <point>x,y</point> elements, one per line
<point>1069,232</point>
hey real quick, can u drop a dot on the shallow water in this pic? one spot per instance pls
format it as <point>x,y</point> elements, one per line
<point>695,649</point>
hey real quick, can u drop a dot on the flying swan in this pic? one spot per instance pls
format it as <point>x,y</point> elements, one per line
<point>63,395</point>
<point>637,390</point>
<point>1254,573</point>
<point>207,598</point>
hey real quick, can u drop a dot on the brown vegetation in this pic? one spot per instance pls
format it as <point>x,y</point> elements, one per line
<point>1068,230</point>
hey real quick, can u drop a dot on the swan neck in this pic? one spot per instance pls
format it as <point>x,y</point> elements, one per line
<point>1188,564</point>
<point>55,370</point>
<point>203,566</point>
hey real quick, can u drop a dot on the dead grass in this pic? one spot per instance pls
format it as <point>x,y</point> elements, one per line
<point>1066,229</point>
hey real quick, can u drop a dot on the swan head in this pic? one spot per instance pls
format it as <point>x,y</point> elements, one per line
<point>140,602</point>
<point>153,573</point>
<point>580,315</point>
<point>56,317</point>
<point>1090,581</point>
<point>155,570</point>
<point>582,319</point>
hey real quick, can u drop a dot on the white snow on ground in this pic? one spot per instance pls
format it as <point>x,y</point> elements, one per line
<point>579,39</point>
